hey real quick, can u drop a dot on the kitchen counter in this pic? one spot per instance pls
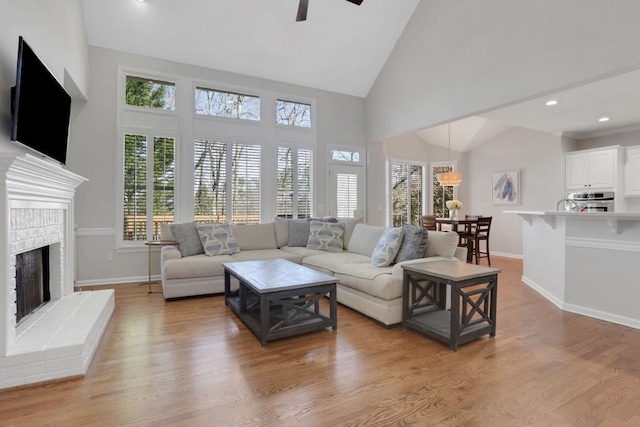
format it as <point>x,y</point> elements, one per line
<point>584,262</point>
<point>612,218</point>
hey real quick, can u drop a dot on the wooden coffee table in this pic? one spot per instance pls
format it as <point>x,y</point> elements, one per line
<point>278,298</point>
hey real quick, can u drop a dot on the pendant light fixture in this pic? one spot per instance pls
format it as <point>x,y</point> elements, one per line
<point>449,179</point>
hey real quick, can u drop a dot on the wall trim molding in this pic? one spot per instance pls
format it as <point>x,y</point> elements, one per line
<point>506,255</point>
<point>614,245</point>
<point>539,289</point>
<point>583,311</point>
<point>81,232</point>
<point>116,281</point>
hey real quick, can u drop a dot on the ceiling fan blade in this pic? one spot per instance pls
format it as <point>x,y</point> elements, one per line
<point>302,10</point>
<point>358,2</point>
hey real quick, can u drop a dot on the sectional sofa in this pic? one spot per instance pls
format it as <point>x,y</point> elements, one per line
<point>375,291</point>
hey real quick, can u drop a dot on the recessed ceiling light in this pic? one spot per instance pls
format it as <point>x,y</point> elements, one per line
<point>551,102</point>
<point>603,119</point>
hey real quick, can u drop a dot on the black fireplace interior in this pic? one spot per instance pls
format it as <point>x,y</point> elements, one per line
<point>32,281</point>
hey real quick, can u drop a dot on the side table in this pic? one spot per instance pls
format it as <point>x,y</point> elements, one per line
<point>474,297</point>
<point>151,244</point>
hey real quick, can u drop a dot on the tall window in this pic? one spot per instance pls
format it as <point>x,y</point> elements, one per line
<point>406,193</point>
<point>226,182</point>
<point>149,186</point>
<point>441,194</point>
<point>227,104</point>
<point>294,183</point>
<point>293,114</point>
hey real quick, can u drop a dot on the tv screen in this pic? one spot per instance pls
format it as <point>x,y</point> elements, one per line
<point>40,107</point>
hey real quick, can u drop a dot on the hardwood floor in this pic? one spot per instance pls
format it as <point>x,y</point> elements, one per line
<point>193,363</point>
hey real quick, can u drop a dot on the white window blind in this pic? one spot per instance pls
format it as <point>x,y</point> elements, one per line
<point>294,183</point>
<point>441,194</point>
<point>347,195</point>
<point>406,193</point>
<point>140,198</point>
<point>218,199</point>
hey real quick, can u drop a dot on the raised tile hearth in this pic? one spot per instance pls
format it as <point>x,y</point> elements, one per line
<point>59,338</point>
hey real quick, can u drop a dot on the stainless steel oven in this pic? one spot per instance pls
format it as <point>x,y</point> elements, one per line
<point>593,201</point>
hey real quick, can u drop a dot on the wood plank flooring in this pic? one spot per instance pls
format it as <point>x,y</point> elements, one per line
<point>193,363</point>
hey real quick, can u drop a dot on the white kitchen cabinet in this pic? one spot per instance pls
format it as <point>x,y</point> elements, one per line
<point>632,172</point>
<point>590,169</point>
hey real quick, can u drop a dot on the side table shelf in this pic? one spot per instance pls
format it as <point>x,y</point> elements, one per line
<point>151,244</point>
<point>473,305</point>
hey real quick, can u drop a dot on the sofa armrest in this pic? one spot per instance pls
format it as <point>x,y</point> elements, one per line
<point>461,253</point>
<point>169,252</point>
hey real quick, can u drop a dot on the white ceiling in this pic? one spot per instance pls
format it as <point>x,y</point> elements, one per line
<point>341,47</point>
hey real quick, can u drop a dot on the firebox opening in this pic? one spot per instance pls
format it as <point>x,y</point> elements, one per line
<point>32,281</point>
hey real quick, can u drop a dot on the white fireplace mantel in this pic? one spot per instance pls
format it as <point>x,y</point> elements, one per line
<point>60,338</point>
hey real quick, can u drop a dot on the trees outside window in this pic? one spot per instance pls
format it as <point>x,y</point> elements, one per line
<point>294,183</point>
<point>406,193</point>
<point>226,182</point>
<point>441,194</point>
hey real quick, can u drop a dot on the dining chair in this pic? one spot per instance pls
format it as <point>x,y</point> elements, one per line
<point>429,222</point>
<point>481,234</point>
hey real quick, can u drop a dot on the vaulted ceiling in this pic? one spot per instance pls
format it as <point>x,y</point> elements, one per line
<point>341,47</point>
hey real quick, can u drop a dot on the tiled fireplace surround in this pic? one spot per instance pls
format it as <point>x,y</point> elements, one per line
<point>60,338</point>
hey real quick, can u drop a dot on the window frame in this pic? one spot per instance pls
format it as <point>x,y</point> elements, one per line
<point>150,134</point>
<point>294,208</point>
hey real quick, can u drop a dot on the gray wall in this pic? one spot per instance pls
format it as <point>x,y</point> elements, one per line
<point>459,58</point>
<point>626,139</point>
<point>55,31</point>
<point>340,121</point>
<point>538,156</point>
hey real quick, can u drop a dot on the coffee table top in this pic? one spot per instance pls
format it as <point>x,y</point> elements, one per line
<point>273,275</point>
<point>451,270</point>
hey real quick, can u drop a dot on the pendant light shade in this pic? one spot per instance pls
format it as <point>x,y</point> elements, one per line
<point>449,179</point>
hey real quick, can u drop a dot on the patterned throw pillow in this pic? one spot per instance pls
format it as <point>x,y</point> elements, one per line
<point>217,239</point>
<point>413,244</point>
<point>326,236</point>
<point>298,232</point>
<point>387,247</point>
<point>187,237</point>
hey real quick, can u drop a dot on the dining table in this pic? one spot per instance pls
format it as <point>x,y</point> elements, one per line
<point>464,228</point>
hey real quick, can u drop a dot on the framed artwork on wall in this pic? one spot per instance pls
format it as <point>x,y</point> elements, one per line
<point>506,187</point>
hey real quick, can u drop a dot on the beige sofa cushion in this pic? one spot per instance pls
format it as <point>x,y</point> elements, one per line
<point>384,286</point>
<point>302,252</point>
<point>195,266</point>
<point>347,263</point>
<point>255,236</point>
<point>349,225</point>
<point>364,239</point>
<point>282,231</point>
<point>441,243</point>
<point>258,254</point>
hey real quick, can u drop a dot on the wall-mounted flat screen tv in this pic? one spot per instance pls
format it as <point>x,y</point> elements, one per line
<point>40,107</point>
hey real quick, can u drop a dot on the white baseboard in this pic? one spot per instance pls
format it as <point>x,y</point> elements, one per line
<point>114,281</point>
<point>583,311</point>
<point>506,255</point>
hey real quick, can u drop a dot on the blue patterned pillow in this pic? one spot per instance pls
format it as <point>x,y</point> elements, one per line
<point>387,247</point>
<point>326,236</point>
<point>217,239</point>
<point>413,244</point>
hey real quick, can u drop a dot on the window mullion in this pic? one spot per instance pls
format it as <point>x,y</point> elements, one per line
<point>150,189</point>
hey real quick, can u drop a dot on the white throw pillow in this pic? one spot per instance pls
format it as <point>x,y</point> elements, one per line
<point>387,247</point>
<point>217,239</point>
